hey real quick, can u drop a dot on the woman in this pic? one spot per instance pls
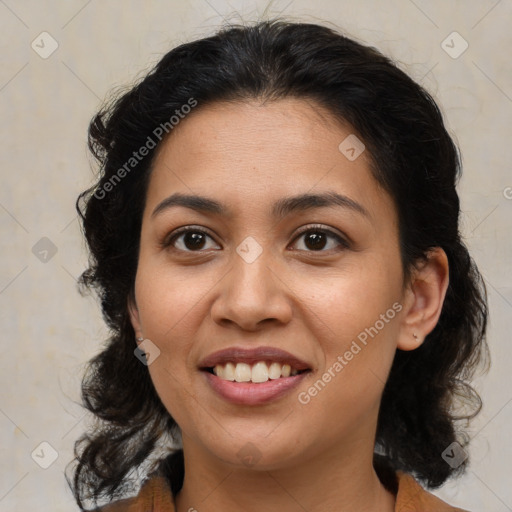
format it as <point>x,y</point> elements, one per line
<point>274,237</point>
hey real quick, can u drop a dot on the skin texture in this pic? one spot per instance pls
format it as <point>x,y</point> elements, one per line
<point>312,301</point>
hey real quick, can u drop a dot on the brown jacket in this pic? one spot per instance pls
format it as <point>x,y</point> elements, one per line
<point>155,496</point>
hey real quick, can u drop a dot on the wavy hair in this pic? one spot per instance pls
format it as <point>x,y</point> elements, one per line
<point>414,159</point>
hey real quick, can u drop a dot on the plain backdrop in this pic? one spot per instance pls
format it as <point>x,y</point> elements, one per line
<point>47,99</point>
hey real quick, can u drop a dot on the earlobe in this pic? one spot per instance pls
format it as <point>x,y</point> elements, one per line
<point>134,316</point>
<point>425,299</point>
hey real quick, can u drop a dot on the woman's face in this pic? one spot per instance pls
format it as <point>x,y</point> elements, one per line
<point>247,276</point>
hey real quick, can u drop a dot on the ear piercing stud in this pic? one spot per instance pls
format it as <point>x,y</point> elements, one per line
<point>415,336</point>
<point>140,338</point>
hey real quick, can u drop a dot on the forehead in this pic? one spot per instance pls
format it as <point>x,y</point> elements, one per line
<point>289,124</point>
<point>264,151</point>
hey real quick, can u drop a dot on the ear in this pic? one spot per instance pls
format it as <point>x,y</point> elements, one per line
<point>134,316</point>
<point>424,299</point>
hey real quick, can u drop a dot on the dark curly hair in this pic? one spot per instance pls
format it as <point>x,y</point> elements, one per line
<point>414,159</point>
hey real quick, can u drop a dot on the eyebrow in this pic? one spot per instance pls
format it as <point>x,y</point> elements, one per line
<point>280,209</point>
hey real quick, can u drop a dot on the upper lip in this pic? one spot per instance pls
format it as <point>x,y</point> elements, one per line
<point>252,356</point>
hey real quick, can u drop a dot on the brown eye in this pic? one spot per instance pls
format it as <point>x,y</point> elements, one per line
<point>316,239</point>
<point>189,240</point>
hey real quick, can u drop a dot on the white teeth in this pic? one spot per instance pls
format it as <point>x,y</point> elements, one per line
<point>259,372</point>
<point>242,372</point>
<point>229,371</point>
<point>274,372</point>
<point>225,372</point>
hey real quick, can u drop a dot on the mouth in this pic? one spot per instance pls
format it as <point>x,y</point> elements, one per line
<point>260,372</point>
<point>257,365</point>
<point>253,376</point>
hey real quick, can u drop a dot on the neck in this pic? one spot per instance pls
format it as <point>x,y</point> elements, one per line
<point>342,480</point>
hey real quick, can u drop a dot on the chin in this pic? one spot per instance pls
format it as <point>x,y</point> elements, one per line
<point>256,452</point>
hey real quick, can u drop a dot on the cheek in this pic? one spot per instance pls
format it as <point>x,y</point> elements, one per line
<point>359,312</point>
<point>167,297</point>
<point>172,305</point>
<point>349,301</point>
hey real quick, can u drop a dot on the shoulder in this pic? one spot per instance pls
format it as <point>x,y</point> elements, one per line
<point>412,497</point>
<point>154,496</point>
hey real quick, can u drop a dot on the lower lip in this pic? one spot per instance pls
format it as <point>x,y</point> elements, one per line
<point>249,393</point>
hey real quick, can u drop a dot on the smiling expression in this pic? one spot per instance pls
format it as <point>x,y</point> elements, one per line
<point>290,246</point>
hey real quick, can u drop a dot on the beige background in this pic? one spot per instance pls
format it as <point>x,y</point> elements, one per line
<point>49,331</point>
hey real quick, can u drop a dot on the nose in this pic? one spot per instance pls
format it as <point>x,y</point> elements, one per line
<point>252,294</point>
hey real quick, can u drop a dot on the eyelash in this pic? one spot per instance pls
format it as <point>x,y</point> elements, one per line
<point>169,240</point>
